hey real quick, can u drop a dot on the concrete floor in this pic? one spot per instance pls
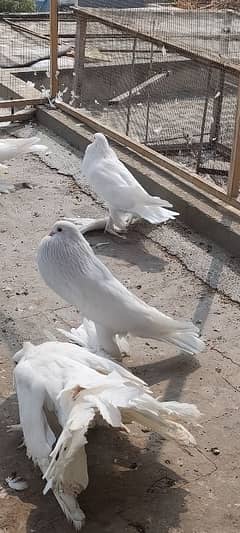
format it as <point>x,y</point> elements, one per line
<point>137,483</point>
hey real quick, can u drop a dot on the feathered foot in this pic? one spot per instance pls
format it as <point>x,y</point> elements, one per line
<point>114,230</point>
<point>71,509</point>
<point>67,502</point>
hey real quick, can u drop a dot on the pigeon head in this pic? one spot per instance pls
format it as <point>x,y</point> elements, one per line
<point>64,230</point>
<point>100,142</point>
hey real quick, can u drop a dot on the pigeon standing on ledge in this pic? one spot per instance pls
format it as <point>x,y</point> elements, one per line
<point>126,199</point>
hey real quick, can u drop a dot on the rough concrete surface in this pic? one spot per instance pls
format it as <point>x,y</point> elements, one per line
<point>138,483</point>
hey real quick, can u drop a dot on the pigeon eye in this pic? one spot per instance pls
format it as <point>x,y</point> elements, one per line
<point>59,229</point>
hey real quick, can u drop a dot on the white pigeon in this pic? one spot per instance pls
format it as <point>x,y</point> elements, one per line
<point>113,182</point>
<point>11,148</point>
<point>69,266</point>
<point>63,390</point>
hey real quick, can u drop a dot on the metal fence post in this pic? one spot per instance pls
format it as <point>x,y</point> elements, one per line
<point>234,173</point>
<point>53,48</point>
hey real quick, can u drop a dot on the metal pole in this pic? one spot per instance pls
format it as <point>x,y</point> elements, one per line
<point>148,95</point>
<point>234,173</point>
<point>131,86</point>
<point>53,48</point>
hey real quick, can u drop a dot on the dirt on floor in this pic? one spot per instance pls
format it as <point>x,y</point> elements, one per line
<point>138,483</point>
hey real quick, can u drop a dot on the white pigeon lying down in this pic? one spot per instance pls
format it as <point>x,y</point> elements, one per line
<point>11,148</point>
<point>126,199</point>
<point>69,266</point>
<point>62,383</point>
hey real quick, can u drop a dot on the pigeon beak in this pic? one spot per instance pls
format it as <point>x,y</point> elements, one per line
<point>51,233</point>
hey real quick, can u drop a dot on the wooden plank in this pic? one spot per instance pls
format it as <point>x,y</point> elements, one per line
<point>234,174</point>
<point>12,85</point>
<point>80,46</point>
<point>20,102</point>
<point>19,27</point>
<point>217,110</point>
<point>200,56</point>
<point>202,133</point>
<point>138,88</point>
<point>36,17</point>
<point>18,117</point>
<point>53,47</point>
<point>167,164</point>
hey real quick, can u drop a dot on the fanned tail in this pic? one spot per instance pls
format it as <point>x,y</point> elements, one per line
<point>33,146</point>
<point>25,145</point>
<point>118,401</point>
<point>187,341</point>
<point>155,214</point>
<point>183,334</point>
<point>164,418</point>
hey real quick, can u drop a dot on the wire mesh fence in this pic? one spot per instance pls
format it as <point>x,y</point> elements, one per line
<point>25,56</point>
<point>166,77</point>
<point>163,75</point>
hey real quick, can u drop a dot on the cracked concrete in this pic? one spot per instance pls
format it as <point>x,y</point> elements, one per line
<point>137,482</point>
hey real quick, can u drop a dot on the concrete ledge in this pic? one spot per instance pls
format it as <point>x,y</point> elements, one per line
<point>205,214</point>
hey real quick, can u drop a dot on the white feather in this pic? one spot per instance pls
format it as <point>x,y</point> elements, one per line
<point>16,483</point>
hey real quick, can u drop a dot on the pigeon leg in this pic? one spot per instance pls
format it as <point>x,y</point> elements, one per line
<point>107,341</point>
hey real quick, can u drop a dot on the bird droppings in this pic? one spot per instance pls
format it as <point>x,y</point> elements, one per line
<point>215,450</point>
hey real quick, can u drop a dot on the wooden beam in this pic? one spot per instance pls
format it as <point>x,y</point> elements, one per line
<point>18,117</point>
<point>217,110</point>
<point>80,45</point>
<point>53,47</point>
<point>19,27</point>
<point>20,102</point>
<point>201,56</point>
<point>138,88</point>
<point>36,17</point>
<point>202,133</point>
<point>234,174</point>
<point>174,168</point>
